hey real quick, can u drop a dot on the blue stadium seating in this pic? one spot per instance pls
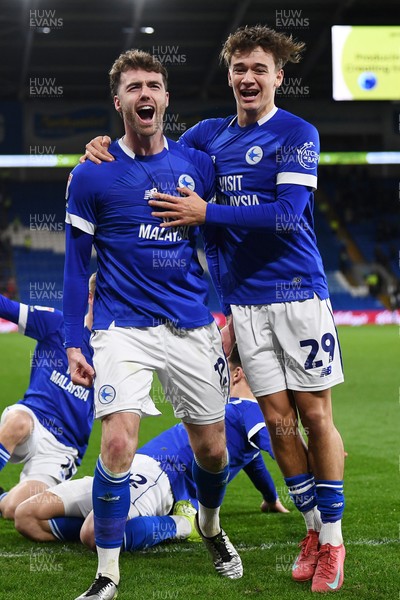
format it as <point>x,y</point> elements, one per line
<point>40,276</point>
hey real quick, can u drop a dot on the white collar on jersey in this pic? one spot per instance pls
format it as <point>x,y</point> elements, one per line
<point>268,116</point>
<point>130,152</point>
<point>261,121</point>
<point>239,400</point>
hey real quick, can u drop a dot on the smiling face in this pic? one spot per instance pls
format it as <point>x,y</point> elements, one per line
<point>142,100</point>
<point>254,78</point>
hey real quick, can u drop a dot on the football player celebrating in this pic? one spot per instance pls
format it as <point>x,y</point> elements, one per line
<point>150,314</point>
<point>269,272</point>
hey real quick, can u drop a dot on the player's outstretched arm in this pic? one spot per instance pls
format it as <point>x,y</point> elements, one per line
<point>81,372</point>
<point>263,482</point>
<point>97,150</point>
<point>9,309</point>
<point>192,210</point>
<point>187,210</point>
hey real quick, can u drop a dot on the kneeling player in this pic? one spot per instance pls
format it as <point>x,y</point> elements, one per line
<point>48,431</point>
<point>161,482</point>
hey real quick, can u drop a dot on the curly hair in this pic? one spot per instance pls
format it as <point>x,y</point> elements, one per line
<point>135,59</point>
<point>282,47</point>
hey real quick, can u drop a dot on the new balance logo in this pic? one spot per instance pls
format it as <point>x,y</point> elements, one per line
<point>149,193</point>
<point>326,371</point>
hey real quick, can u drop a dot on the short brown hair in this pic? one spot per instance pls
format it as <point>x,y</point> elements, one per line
<point>135,59</point>
<point>282,47</point>
<point>234,357</point>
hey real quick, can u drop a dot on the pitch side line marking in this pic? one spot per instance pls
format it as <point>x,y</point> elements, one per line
<point>174,549</point>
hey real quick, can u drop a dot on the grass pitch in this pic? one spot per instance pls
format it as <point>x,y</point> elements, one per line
<point>366,412</point>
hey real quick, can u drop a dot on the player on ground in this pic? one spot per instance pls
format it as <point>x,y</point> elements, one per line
<point>271,277</point>
<point>162,489</point>
<point>150,314</point>
<point>48,431</point>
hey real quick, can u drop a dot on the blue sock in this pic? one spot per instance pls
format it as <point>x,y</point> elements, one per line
<point>4,456</point>
<point>302,491</point>
<point>210,486</point>
<point>144,532</point>
<point>330,500</point>
<point>111,502</point>
<point>66,529</point>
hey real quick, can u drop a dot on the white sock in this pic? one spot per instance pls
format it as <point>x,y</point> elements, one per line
<point>108,563</point>
<point>317,520</point>
<point>309,519</point>
<point>183,527</point>
<point>331,533</point>
<point>209,520</point>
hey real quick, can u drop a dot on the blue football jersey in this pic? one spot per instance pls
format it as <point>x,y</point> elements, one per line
<point>172,450</point>
<point>246,435</point>
<point>146,275</point>
<point>64,409</point>
<point>267,171</point>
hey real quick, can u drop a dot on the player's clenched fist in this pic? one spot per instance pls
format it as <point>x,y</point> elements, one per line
<point>81,372</point>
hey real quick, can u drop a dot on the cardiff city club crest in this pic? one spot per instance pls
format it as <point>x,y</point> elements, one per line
<point>186,180</point>
<point>254,155</point>
<point>106,394</point>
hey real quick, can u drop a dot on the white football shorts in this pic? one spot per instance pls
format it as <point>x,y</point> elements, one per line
<point>150,490</point>
<point>190,365</point>
<point>46,459</point>
<point>288,345</point>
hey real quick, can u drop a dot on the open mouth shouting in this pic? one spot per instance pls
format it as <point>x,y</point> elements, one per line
<point>248,95</point>
<point>146,113</point>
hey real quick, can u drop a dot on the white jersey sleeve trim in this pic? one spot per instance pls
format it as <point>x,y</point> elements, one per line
<point>23,318</point>
<point>297,179</point>
<point>253,432</point>
<point>80,223</point>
